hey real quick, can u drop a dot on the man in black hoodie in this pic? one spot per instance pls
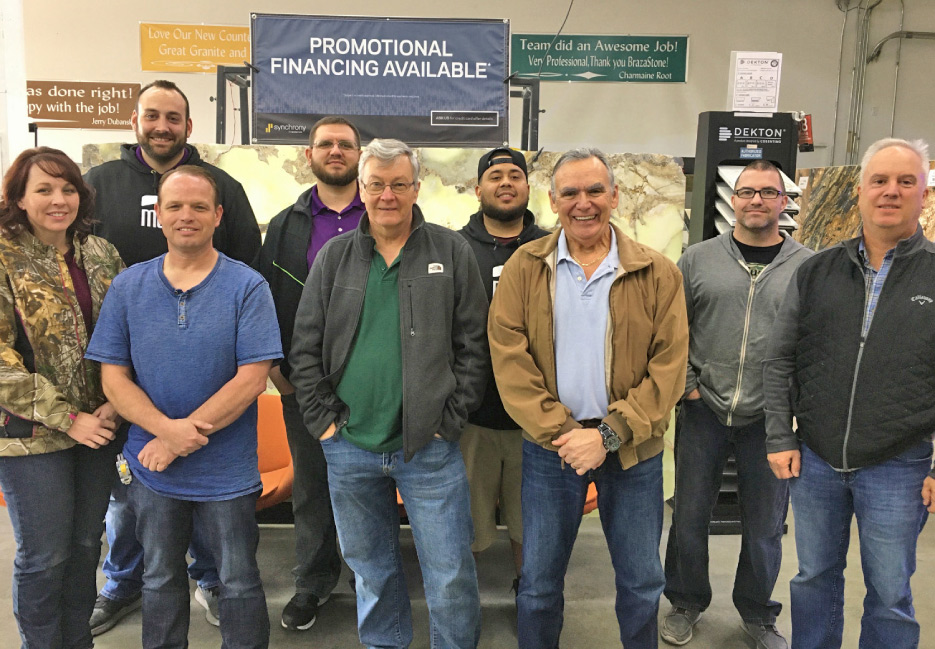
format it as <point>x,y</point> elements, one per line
<point>492,443</point>
<point>125,215</point>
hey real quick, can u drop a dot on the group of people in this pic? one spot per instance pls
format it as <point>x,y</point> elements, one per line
<point>501,368</point>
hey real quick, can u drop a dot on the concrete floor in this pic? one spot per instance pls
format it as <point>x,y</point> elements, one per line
<point>589,593</point>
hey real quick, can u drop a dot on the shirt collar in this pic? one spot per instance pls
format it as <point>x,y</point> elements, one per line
<point>318,207</point>
<point>611,261</point>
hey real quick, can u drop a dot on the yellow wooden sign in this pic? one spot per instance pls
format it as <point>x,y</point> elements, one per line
<point>192,48</point>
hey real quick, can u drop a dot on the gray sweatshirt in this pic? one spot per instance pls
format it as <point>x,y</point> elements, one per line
<point>731,310</point>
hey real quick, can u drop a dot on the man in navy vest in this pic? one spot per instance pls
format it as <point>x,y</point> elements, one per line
<point>852,357</point>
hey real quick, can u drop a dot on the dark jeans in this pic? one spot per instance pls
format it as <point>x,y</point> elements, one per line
<point>701,451</point>
<point>318,564</point>
<point>123,565</point>
<point>630,506</point>
<point>56,503</point>
<point>164,527</point>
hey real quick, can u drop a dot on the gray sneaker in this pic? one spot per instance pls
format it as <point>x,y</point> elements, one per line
<point>677,625</point>
<point>765,636</point>
<point>208,597</point>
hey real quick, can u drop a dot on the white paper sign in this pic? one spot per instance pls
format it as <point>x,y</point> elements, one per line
<point>754,82</point>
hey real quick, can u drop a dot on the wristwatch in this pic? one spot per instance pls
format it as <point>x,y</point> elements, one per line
<point>611,441</point>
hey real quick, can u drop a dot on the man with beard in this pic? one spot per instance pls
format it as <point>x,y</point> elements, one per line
<point>293,240</point>
<point>734,285</point>
<point>492,443</point>
<point>125,215</point>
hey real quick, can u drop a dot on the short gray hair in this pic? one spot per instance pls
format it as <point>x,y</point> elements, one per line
<point>919,147</point>
<point>584,153</point>
<point>385,152</point>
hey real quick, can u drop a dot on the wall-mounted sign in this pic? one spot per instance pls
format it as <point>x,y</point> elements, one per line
<point>81,104</point>
<point>754,81</point>
<point>192,48</point>
<point>426,82</point>
<point>577,57</point>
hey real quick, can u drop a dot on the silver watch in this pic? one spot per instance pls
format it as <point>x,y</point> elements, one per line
<point>611,441</point>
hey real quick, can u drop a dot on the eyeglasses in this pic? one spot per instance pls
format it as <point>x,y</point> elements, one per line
<point>375,187</point>
<point>767,193</point>
<point>327,145</point>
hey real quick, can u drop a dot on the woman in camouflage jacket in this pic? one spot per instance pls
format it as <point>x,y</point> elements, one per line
<point>57,431</point>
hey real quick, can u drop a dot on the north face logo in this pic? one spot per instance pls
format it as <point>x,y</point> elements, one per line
<point>922,299</point>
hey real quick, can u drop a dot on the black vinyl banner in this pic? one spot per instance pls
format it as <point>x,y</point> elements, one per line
<point>427,82</point>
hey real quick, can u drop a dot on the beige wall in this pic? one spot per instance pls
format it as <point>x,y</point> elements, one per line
<point>98,41</point>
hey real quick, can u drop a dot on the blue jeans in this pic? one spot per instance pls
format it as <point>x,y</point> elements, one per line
<point>164,526</point>
<point>886,500</point>
<point>56,503</point>
<point>701,451</point>
<point>434,487</point>
<point>630,506</point>
<point>318,564</point>
<point>123,565</point>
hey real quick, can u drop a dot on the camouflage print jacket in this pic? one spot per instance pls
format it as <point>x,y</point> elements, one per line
<point>44,379</point>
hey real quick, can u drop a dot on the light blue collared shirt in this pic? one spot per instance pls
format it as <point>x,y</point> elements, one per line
<point>582,308</point>
<point>873,282</point>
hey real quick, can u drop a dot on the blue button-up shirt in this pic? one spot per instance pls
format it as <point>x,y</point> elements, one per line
<point>873,282</point>
<point>582,309</point>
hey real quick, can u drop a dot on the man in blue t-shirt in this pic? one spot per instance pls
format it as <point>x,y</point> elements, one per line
<point>186,341</point>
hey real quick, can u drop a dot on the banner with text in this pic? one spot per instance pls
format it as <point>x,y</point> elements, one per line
<point>81,104</point>
<point>578,57</point>
<point>192,48</point>
<point>426,82</point>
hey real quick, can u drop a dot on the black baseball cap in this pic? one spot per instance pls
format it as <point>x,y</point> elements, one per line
<point>501,156</point>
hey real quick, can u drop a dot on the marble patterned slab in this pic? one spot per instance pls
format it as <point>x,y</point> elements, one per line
<point>652,187</point>
<point>829,212</point>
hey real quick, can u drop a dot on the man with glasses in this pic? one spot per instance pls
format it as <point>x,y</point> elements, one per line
<point>293,240</point>
<point>734,285</point>
<point>389,356</point>
<point>589,341</point>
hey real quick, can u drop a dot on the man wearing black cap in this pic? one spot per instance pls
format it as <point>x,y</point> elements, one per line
<point>492,443</point>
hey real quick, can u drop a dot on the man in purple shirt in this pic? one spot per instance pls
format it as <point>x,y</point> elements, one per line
<point>294,237</point>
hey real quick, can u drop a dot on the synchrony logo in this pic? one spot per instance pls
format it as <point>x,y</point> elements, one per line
<point>289,128</point>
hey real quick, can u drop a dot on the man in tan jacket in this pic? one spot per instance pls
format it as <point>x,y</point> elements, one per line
<point>589,342</point>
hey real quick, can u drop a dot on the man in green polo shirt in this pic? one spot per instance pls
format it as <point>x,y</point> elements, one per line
<point>372,384</point>
<point>388,358</point>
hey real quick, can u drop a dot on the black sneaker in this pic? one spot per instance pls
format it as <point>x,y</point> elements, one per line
<point>301,611</point>
<point>107,612</point>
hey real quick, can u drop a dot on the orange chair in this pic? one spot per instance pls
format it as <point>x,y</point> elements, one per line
<point>590,501</point>
<point>273,450</point>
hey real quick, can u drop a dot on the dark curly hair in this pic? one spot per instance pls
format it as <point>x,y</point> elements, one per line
<point>13,219</point>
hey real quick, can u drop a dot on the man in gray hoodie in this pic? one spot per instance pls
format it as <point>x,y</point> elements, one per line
<point>734,285</point>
